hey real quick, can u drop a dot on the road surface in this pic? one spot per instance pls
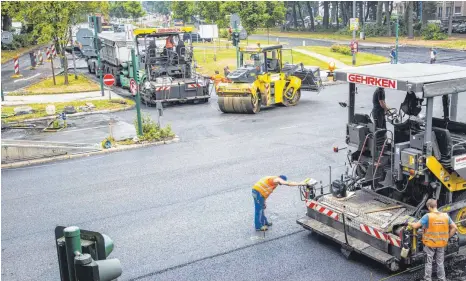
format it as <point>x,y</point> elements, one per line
<point>184,211</point>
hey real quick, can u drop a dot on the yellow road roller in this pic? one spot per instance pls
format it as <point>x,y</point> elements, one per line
<point>263,80</point>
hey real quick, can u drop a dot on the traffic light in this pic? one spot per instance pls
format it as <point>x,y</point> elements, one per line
<point>235,39</point>
<point>82,255</point>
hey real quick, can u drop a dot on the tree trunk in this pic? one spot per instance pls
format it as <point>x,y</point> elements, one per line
<point>326,16</point>
<point>368,8</point>
<point>311,15</point>
<point>379,13</point>
<point>450,19</point>
<point>6,22</point>
<point>295,18</point>
<point>361,13</point>
<point>300,14</point>
<point>337,15</point>
<point>425,14</point>
<point>409,23</point>
<point>387,18</point>
<point>344,12</point>
<point>332,14</point>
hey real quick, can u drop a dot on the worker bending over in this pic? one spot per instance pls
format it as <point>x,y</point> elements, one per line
<point>261,191</point>
<point>438,228</point>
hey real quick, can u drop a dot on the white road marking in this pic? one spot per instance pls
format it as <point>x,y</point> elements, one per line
<point>289,127</point>
<point>83,129</point>
<point>24,79</point>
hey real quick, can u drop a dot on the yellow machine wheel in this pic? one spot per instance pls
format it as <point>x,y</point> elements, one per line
<point>249,104</point>
<point>290,98</point>
<point>460,215</point>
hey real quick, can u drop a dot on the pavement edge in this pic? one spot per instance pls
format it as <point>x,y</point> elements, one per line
<point>73,156</point>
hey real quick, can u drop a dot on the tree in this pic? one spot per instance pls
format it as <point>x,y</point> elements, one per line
<point>51,20</point>
<point>337,16</point>
<point>295,18</point>
<point>275,13</point>
<point>387,18</point>
<point>311,15</point>
<point>379,13</point>
<point>159,7</point>
<point>300,13</point>
<point>409,19</point>
<point>450,19</point>
<point>182,10</point>
<point>325,20</point>
<point>126,9</point>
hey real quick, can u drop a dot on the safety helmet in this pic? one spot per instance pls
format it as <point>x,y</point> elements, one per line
<point>338,189</point>
<point>283,177</point>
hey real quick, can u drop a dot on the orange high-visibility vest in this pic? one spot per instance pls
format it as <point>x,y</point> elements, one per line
<point>168,43</point>
<point>437,232</point>
<point>265,186</point>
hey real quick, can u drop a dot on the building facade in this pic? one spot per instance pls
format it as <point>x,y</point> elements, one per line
<point>446,8</point>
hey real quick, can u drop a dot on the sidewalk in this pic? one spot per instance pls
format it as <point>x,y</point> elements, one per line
<point>338,63</point>
<point>20,100</point>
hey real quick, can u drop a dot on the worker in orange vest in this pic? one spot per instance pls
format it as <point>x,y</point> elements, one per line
<point>438,228</point>
<point>261,191</point>
<point>169,44</point>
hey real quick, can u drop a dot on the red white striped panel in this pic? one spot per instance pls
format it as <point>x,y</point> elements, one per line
<point>194,86</point>
<point>389,238</point>
<point>321,209</point>
<point>158,89</point>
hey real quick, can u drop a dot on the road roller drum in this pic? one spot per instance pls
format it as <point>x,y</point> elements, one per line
<point>239,104</point>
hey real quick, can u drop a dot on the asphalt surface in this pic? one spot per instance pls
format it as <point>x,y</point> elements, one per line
<point>184,211</point>
<point>407,54</point>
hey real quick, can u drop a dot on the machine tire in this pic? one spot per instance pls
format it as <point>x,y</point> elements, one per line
<point>459,215</point>
<point>291,101</point>
<point>248,104</point>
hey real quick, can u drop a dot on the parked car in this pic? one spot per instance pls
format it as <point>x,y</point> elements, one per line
<point>195,37</point>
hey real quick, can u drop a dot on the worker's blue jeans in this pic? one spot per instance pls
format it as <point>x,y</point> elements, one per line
<point>259,204</point>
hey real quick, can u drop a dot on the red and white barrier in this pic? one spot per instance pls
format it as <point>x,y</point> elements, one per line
<point>190,86</point>
<point>16,67</point>
<point>389,238</point>
<point>321,209</point>
<point>54,52</point>
<point>47,54</point>
<point>158,89</point>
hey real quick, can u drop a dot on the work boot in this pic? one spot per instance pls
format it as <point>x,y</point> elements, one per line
<point>268,224</point>
<point>263,228</point>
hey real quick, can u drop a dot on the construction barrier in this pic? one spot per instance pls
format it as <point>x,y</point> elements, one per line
<point>47,55</point>
<point>41,58</point>
<point>16,66</point>
<point>54,52</point>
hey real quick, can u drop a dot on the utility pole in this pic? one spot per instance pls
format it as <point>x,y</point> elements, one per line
<point>138,98</point>
<point>354,32</point>
<point>396,44</point>
<point>99,64</point>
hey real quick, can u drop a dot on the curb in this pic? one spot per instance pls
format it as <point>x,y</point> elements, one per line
<point>73,115</point>
<point>74,156</point>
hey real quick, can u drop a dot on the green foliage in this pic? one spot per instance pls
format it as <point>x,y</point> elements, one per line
<point>342,49</point>
<point>182,10</point>
<point>433,32</point>
<point>152,131</point>
<point>159,7</point>
<point>20,41</point>
<point>223,33</point>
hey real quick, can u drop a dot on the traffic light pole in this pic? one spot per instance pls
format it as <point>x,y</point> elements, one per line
<point>138,98</point>
<point>73,244</point>
<point>99,66</point>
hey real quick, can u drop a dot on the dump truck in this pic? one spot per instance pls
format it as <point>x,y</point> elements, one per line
<point>391,173</point>
<point>263,80</point>
<point>168,73</point>
<point>115,55</point>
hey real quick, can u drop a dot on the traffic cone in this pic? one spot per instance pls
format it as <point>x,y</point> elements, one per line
<point>16,63</point>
